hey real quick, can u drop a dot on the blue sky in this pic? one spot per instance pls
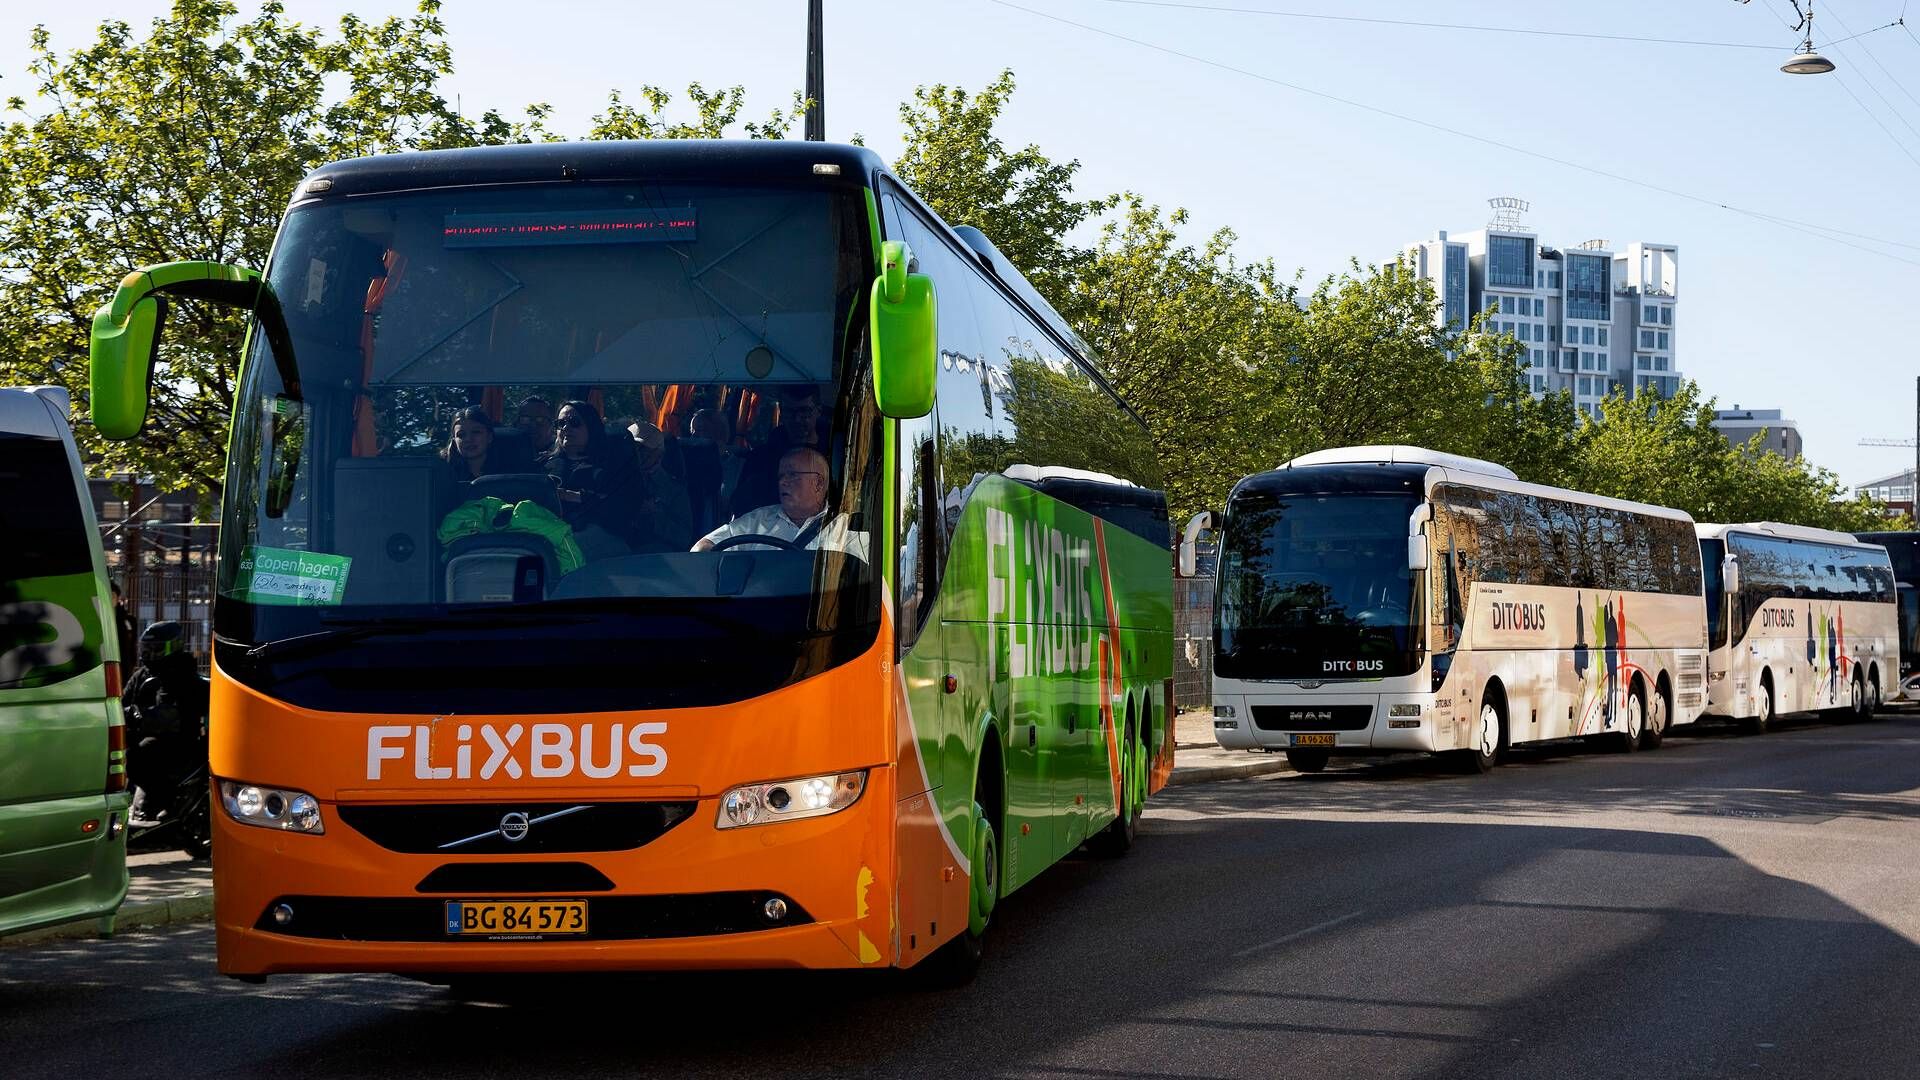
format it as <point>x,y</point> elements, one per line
<point>1770,316</point>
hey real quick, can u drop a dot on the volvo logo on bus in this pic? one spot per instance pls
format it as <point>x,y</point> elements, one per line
<point>513,827</point>
<point>1352,667</point>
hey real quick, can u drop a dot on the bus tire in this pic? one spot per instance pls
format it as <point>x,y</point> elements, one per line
<point>1873,691</point>
<point>956,963</point>
<point>1660,718</point>
<point>1758,723</point>
<point>1490,737</point>
<point>1634,724</point>
<point>1307,760</point>
<point>1117,838</point>
<point>1857,707</point>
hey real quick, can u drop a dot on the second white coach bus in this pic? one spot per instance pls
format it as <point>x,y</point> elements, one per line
<point>1799,620</point>
<point>1384,599</point>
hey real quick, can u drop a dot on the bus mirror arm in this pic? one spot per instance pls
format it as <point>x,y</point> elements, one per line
<point>1190,539</point>
<point>125,338</point>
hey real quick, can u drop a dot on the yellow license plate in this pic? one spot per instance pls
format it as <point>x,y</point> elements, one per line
<point>516,918</point>
<point>1310,740</point>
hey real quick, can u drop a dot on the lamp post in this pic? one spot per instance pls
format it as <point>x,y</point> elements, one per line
<point>816,75</point>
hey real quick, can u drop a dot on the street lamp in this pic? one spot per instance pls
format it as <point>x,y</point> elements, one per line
<point>1805,61</point>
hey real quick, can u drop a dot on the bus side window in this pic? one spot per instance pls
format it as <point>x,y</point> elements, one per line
<point>923,536</point>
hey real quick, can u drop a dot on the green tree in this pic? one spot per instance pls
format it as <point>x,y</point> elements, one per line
<point>1183,333</point>
<point>186,143</point>
<point>1022,199</point>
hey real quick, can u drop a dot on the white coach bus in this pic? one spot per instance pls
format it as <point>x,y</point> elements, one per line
<point>1384,599</point>
<point>1798,620</point>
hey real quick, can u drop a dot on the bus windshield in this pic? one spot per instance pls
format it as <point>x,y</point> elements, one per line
<point>1313,585</point>
<point>517,409</point>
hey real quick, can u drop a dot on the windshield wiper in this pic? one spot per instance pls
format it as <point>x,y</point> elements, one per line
<point>344,631</point>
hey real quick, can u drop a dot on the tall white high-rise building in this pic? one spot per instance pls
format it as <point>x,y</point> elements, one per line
<point>1591,319</point>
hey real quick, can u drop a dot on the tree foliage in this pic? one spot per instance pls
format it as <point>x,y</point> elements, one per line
<point>186,143</point>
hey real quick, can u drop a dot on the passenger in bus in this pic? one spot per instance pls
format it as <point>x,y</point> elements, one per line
<point>471,450</point>
<point>535,417</point>
<point>664,521</point>
<point>799,426</point>
<point>712,468</point>
<point>596,481</point>
<point>800,517</point>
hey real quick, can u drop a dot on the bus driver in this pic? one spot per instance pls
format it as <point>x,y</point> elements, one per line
<point>801,512</point>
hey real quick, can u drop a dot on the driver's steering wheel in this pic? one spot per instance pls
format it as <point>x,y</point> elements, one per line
<point>752,538</point>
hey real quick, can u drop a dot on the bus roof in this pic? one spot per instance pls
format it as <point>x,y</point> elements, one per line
<point>32,410</point>
<point>1384,468</point>
<point>1395,455</point>
<point>748,160</point>
<point>1711,531</point>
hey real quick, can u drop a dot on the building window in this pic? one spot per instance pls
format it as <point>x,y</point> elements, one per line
<point>1456,309</point>
<point>1553,279</point>
<point>1539,279</point>
<point>1506,328</point>
<point>1539,358</point>
<point>1506,305</point>
<point>1589,286</point>
<point>1663,340</point>
<point>1666,316</point>
<point>1539,307</point>
<point>1553,332</point>
<point>1650,314</point>
<point>1643,362</point>
<point>1646,339</point>
<point>1509,262</point>
<point>1603,335</point>
<point>1660,363</point>
<point>1586,335</point>
<point>1539,384</point>
<point>1568,357</point>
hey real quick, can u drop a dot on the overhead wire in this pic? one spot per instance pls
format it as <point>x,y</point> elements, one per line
<point>1891,77</point>
<point>1871,115</point>
<point>1440,25</point>
<point>1833,235</point>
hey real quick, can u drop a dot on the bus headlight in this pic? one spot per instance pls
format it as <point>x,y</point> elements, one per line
<point>271,808</point>
<point>787,800</point>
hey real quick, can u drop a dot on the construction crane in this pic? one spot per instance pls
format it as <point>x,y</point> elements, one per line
<point>1886,442</point>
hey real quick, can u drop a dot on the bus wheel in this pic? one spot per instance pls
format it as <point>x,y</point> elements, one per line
<point>1857,707</point>
<point>1873,693</point>
<point>1117,838</point>
<point>958,961</point>
<point>1307,760</point>
<point>1758,723</point>
<point>1627,740</point>
<point>1489,736</point>
<point>1660,715</point>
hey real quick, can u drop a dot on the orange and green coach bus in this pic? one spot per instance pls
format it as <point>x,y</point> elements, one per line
<point>657,555</point>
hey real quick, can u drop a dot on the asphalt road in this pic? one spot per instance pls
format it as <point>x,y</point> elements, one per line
<point>1725,906</point>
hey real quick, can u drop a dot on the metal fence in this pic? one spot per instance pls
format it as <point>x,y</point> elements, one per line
<point>167,573</point>
<point>1193,642</point>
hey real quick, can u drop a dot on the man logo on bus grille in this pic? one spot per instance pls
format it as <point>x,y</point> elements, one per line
<point>514,826</point>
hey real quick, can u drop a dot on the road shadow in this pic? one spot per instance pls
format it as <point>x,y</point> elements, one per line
<point>1224,946</point>
<point>1807,772</point>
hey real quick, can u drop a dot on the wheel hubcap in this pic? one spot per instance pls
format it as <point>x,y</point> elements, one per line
<point>1489,731</point>
<point>1636,717</point>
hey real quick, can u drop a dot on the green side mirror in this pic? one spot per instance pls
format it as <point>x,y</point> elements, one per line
<point>126,333</point>
<point>905,336</point>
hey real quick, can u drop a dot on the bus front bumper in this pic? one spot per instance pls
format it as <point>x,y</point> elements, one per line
<point>1341,723</point>
<point>695,897</point>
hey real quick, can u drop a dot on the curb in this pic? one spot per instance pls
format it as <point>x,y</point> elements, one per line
<point>1200,774</point>
<point>144,914</point>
